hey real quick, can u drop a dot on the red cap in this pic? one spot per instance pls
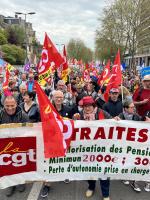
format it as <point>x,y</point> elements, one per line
<point>114,90</point>
<point>86,101</point>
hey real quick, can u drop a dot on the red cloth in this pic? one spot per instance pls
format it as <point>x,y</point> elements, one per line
<point>52,134</point>
<point>5,84</point>
<point>145,94</point>
<point>65,64</point>
<point>105,75</point>
<point>116,76</point>
<point>101,115</point>
<point>50,58</point>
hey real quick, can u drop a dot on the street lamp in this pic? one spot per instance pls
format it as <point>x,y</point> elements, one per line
<point>26,42</point>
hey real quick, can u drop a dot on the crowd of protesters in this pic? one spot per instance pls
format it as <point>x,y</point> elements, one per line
<point>76,99</point>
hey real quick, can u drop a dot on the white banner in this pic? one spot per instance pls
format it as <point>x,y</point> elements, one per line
<point>100,149</point>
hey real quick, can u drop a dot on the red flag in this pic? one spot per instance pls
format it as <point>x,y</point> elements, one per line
<point>105,75</point>
<point>52,133</point>
<point>65,66</point>
<point>101,115</point>
<point>5,84</point>
<point>86,75</point>
<point>80,62</point>
<point>116,76</point>
<point>86,65</point>
<point>50,59</point>
<point>57,133</point>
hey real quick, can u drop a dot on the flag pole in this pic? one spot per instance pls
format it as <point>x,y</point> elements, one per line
<point>122,91</point>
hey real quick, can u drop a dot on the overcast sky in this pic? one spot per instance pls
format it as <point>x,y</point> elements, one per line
<point>61,19</point>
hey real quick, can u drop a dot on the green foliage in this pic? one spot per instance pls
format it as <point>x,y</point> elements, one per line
<point>106,48</point>
<point>16,35</point>
<point>77,49</point>
<point>119,25</point>
<point>37,48</point>
<point>13,54</point>
<point>3,37</point>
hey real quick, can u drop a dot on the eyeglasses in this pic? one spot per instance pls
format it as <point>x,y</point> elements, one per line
<point>132,107</point>
<point>58,97</point>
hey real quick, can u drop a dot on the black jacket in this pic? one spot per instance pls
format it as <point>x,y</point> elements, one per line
<point>33,113</point>
<point>135,117</point>
<point>114,108</point>
<point>65,111</point>
<point>18,117</point>
<point>20,99</point>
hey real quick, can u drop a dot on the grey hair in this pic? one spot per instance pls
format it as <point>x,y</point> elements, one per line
<point>9,97</point>
<point>61,82</point>
<point>56,91</point>
<point>127,102</point>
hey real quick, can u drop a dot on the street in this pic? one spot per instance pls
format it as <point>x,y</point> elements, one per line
<point>76,191</point>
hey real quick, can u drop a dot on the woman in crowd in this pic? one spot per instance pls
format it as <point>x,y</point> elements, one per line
<point>30,107</point>
<point>91,112</point>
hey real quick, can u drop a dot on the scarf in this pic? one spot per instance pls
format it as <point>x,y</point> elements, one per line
<point>128,116</point>
<point>90,116</point>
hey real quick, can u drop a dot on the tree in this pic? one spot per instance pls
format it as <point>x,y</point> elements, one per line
<point>13,54</point>
<point>3,37</point>
<point>120,23</point>
<point>37,48</point>
<point>16,35</point>
<point>77,49</point>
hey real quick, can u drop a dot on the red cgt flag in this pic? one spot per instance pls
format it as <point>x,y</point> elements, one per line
<point>6,91</point>
<point>105,75</point>
<point>116,76</point>
<point>50,58</point>
<point>65,66</point>
<point>51,123</point>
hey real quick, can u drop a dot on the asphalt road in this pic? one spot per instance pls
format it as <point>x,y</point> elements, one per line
<point>76,191</point>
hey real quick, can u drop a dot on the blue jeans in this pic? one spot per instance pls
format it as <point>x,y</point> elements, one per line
<point>104,184</point>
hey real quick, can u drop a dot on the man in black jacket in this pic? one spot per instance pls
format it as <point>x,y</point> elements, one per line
<point>57,100</point>
<point>11,113</point>
<point>114,105</point>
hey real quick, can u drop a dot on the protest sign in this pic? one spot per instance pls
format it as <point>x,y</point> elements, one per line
<point>99,149</point>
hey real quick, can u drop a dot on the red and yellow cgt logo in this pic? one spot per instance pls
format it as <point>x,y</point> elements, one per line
<point>48,110</point>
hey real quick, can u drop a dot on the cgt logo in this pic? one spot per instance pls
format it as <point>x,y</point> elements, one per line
<point>17,155</point>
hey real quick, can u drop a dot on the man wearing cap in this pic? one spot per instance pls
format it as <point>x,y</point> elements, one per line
<point>141,97</point>
<point>114,105</point>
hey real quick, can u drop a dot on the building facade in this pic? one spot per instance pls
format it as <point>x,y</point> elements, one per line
<point>30,33</point>
<point>142,57</point>
<point>143,34</point>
